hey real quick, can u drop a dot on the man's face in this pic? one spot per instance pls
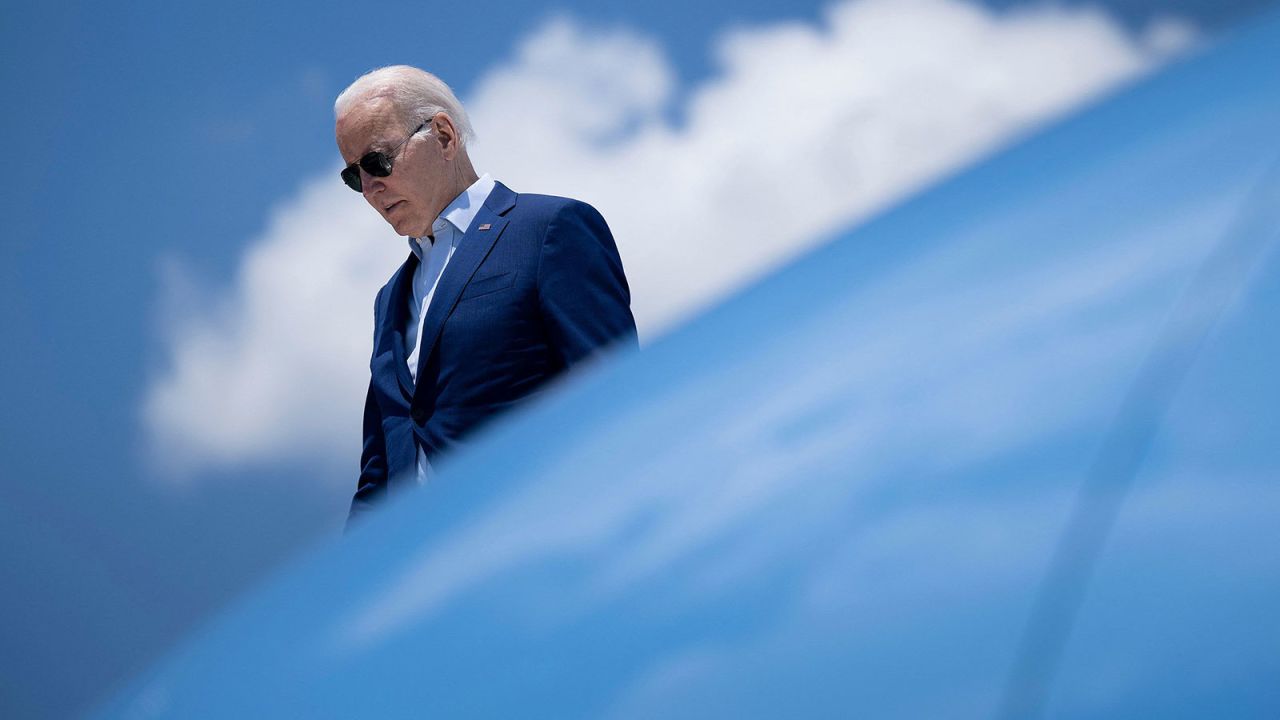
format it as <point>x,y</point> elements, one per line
<point>417,189</point>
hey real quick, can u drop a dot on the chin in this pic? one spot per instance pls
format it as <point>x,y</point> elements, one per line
<point>404,228</point>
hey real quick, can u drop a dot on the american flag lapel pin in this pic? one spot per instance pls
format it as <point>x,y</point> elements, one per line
<point>485,226</point>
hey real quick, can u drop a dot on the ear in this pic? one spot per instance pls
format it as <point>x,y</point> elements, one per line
<point>446,134</point>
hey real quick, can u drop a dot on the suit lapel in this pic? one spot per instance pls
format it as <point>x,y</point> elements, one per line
<point>397,321</point>
<point>472,250</point>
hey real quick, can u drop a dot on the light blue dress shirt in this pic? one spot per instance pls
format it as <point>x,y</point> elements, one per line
<point>434,253</point>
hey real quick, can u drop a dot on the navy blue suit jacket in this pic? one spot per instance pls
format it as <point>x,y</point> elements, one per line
<point>534,286</point>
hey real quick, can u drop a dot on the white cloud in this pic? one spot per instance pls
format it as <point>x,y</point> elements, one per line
<point>275,366</point>
<point>806,130</point>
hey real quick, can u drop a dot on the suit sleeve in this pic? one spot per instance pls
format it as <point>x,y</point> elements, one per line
<point>582,291</point>
<point>372,483</point>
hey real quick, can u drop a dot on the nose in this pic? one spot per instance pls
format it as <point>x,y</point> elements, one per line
<point>370,184</point>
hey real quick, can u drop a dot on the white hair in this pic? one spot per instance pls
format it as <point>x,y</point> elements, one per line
<point>415,94</point>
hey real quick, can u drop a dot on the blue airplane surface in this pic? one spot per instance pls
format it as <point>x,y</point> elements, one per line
<point>1010,449</point>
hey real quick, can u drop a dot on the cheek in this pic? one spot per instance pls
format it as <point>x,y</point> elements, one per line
<point>415,192</point>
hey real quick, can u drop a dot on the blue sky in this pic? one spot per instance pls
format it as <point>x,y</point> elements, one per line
<point>154,147</point>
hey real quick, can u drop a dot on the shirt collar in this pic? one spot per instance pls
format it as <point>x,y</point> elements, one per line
<point>459,213</point>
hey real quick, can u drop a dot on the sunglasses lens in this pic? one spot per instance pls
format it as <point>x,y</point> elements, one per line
<point>351,176</point>
<point>376,164</point>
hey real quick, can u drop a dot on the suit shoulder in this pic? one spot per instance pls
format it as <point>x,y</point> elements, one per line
<point>549,206</point>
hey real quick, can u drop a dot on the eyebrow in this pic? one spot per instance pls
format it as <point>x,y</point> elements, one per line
<point>371,147</point>
<point>378,146</point>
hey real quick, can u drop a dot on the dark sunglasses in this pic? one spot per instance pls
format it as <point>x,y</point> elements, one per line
<point>377,164</point>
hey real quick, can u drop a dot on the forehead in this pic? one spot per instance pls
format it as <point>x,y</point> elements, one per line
<point>372,125</point>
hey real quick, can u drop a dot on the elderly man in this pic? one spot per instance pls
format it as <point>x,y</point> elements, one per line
<point>502,291</point>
